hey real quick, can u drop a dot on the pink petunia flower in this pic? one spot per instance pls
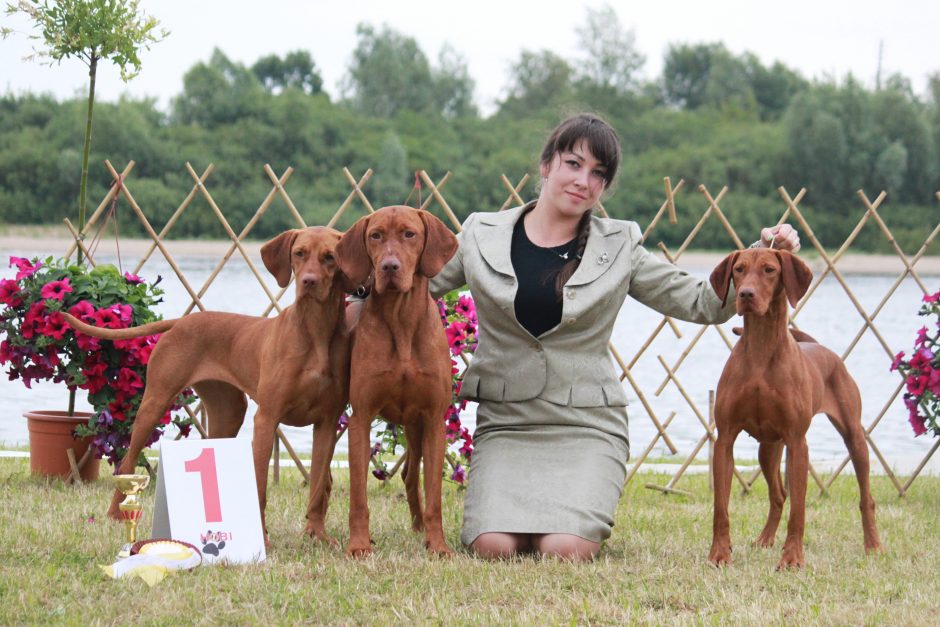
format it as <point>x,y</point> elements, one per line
<point>10,293</point>
<point>24,267</point>
<point>83,310</point>
<point>133,278</point>
<point>898,359</point>
<point>107,318</point>
<point>56,326</point>
<point>932,298</point>
<point>34,320</point>
<point>459,475</point>
<point>56,290</point>
<point>128,381</point>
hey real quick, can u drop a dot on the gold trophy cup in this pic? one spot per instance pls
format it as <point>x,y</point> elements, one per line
<point>131,508</point>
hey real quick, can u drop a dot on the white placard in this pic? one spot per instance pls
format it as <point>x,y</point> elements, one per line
<point>207,496</point>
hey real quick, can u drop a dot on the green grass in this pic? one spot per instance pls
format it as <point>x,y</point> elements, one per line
<point>653,570</point>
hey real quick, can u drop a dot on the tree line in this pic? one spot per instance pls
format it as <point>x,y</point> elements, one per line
<point>710,117</point>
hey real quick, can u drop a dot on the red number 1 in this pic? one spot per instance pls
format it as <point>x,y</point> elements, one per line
<point>205,466</point>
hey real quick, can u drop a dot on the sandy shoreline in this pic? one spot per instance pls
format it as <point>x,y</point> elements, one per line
<point>28,244</point>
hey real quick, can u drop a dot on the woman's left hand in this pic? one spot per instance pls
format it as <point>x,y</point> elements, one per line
<point>781,237</point>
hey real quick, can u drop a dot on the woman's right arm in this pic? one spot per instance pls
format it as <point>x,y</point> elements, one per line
<point>452,275</point>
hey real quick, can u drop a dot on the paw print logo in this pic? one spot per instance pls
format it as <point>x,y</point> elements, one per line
<point>211,548</point>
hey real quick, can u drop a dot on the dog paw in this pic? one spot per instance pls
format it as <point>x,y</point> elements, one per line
<point>356,552</point>
<point>439,548</point>
<point>322,537</point>
<point>764,541</point>
<point>720,555</point>
<point>791,560</point>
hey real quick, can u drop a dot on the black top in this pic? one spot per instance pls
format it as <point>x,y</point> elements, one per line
<point>537,306</point>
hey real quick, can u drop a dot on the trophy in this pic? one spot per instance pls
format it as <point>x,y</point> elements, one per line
<point>131,508</point>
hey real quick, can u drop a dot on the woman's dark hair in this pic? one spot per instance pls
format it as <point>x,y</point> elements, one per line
<point>604,144</point>
<point>601,140</point>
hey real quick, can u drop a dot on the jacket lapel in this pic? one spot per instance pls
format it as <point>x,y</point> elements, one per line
<point>495,238</point>
<point>606,240</point>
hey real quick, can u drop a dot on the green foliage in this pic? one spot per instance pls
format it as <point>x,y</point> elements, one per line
<point>712,118</point>
<point>90,30</point>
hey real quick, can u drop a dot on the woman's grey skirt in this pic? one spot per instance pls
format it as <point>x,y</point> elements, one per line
<point>539,467</point>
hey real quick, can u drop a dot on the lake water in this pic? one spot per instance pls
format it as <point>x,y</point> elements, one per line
<point>830,316</point>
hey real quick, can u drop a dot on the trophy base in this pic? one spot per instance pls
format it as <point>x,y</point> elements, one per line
<point>125,551</point>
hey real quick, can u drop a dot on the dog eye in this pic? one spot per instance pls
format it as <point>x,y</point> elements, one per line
<point>769,270</point>
<point>409,234</point>
<point>299,253</point>
<point>739,269</point>
<point>375,235</point>
<point>328,257</point>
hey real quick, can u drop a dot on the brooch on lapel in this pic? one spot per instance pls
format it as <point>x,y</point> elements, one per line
<point>602,259</point>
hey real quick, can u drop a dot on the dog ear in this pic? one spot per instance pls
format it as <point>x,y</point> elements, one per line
<point>796,276</point>
<point>276,256</point>
<point>352,257</point>
<point>721,277</point>
<point>440,244</point>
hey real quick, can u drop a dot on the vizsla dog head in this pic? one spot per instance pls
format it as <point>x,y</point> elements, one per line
<point>396,243</point>
<point>760,275</point>
<point>310,254</point>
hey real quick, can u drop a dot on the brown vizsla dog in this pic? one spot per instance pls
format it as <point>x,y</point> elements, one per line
<point>400,365</point>
<point>774,383</point>
<point>295,365</point>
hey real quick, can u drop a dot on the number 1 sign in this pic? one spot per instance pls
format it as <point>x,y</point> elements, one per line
<point>207,496</point>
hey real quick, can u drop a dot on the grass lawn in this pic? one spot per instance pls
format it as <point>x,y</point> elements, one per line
<point>653,570</point>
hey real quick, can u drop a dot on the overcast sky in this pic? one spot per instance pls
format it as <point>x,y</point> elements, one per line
<point>817,37</point>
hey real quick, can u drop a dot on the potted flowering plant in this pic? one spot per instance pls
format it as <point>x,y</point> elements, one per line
<point>38,345</point>
<point>459,317</point>
<point>922,371</point>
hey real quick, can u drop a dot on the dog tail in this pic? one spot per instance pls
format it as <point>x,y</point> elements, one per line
<point>152,328</point>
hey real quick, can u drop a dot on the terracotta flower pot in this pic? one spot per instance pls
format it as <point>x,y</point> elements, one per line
<point>50,437</point>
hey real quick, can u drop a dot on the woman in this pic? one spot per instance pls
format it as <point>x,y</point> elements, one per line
<point>548,280</point>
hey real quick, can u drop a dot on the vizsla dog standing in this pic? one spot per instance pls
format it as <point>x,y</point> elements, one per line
<point>295,365</point>
<point>400,365</point>
<point>773,384</point>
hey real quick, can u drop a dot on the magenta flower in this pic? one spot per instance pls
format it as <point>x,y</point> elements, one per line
<point>10,293</point>
<point>133,278</point>
<point>24,267</point>
<point>898,360</point>
<point>56,290</point>
<point>83,310</point>
<point>459,474</point>
<point>56,326</point>
<point>932,298</point>
<point>107,318</point>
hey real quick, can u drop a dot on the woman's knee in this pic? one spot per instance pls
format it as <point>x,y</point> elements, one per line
<point>566,546</point>
<point>500,545</point>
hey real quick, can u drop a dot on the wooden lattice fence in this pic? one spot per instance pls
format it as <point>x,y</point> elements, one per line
<point>692,400</point>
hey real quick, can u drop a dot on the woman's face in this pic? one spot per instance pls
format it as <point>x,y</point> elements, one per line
<point>573,181</point>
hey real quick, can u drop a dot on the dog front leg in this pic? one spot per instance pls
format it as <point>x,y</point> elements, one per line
<point>433,444</point>
<point>359,541</point>
<point>722,467</point>
<point>769,454</point>
<point>797,473</point>
<point>411,473</point>
<point>262,445</point>
<point>324,441</point>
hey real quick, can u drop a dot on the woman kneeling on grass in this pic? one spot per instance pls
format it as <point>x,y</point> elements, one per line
<point>548,280</point>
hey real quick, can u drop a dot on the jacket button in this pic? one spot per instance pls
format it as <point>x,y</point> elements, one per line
<point>571,294</point>
<point>570,321</point>
<point>538,348</point>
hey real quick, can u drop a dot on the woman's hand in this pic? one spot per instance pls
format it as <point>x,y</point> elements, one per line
<point>781,237</point>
